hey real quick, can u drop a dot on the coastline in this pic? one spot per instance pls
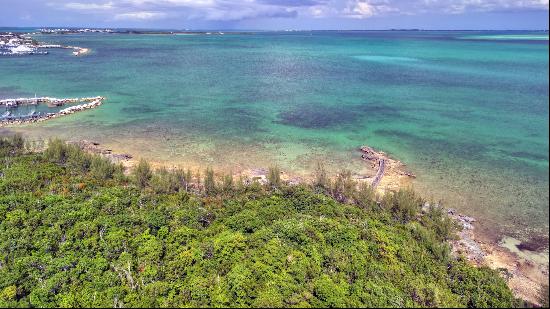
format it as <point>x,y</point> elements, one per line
<point>524,276</point>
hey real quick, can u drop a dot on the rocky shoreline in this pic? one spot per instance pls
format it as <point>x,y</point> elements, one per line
<point>525,277</point>
<point>96,148</point>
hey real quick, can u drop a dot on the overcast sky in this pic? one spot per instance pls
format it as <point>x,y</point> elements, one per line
<point>278,14</point>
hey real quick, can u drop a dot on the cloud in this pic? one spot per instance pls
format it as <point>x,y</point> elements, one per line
<point>294,3</point>
<point>464,6</point>
<point>217,14</point>
<point>140,16</point>
<point>365,9</point>
<point>237,10</point>
<point>89,6</point>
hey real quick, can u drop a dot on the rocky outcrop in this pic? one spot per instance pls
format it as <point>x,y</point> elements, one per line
<point>96,148</point>
<point>386,166</point>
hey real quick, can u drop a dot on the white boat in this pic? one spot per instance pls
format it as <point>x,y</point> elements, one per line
<point>21,49</point>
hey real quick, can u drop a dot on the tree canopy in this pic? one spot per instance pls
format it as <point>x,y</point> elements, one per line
<point>76,232</point>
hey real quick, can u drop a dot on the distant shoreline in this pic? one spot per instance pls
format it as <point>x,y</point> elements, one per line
<point>279,30</point>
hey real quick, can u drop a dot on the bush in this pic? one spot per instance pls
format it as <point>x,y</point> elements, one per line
<point>365,196</point>
<point>479,287</point>
<point>143,174</point>
<point>101,168</point>
<point>56,151</point>
<point>164,181</point>
<point>321,182</point>
<point>18,143</point>
<point>228,185</point>
<point>77,159</point>
<point>13,145</point>
<point>403,204</point>
<point>274,177</point>
<point>344,186</point>
<point>438,221</point>
<point>209,182</point>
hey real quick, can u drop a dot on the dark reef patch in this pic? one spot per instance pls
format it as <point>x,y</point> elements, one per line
<point>140,109</point>
<point>313,116</point>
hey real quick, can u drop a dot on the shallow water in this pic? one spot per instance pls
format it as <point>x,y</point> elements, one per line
<point>469,116</point>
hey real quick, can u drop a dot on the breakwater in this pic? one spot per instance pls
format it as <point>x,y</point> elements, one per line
<point>13,103</point>
<point>8,119</point>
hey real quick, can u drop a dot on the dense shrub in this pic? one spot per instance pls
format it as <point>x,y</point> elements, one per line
<point>209,182</point>
<point>274,177</point>
<point>143,174</point>
<point>71,237</point>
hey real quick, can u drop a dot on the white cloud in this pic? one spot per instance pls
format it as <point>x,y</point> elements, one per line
<point>462,6</point>
<point>89,6</point>
<point>175,3</point>
<point>321,11</point>
<point>366,9</point>
<point>235,10</point>
<point>140,15</point>
<point>362,9</point>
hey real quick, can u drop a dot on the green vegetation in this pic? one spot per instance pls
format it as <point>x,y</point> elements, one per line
<point>76,232</point>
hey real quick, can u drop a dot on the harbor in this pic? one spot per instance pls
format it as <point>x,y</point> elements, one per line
<point>16,44</point>
<point>10,117</point>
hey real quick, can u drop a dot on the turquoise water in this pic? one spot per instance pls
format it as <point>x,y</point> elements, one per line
<point>469,116</point>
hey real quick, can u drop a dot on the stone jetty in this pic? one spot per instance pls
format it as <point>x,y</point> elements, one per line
<point>385,165</point>
<point>8,120</point>
<point>12,103</point>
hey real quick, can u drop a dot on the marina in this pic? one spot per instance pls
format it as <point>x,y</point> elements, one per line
<point>15,44</point>
<point>9,117</point>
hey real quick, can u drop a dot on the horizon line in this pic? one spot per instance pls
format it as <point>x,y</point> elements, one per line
<point>268,30</point>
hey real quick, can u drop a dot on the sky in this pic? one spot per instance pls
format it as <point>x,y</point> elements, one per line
<point>277,14</point>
